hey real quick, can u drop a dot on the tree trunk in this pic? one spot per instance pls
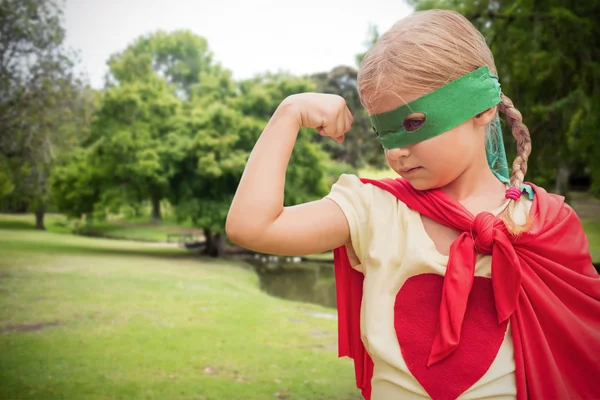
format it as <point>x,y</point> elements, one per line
<point>209,238</point>
<point>562,179</point>
<point>156,215</point>
<point>39,218</point>
<point>215,243</point>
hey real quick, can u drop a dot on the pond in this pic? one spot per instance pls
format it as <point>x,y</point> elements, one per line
<point>292,279</point>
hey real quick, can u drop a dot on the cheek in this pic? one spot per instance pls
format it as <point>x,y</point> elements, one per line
<point>445,154</point>
<point>436,153</point>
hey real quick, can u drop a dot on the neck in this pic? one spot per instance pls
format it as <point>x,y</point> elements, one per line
<point>475,182</point>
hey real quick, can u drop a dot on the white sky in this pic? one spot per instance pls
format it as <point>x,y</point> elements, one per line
<point>247,37</point>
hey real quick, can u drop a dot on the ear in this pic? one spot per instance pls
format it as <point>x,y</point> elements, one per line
<point>485,117</point>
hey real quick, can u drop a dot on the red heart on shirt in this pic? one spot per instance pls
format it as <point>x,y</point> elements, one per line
<point>416,317</point>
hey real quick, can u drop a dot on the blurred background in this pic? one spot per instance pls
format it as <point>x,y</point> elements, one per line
<point>124,129</point>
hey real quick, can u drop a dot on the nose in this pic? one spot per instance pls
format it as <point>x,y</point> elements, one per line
<point>397,154</point>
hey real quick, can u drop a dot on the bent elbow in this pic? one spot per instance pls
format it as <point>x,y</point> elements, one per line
<point>233,232</point>
<point>238,232</point>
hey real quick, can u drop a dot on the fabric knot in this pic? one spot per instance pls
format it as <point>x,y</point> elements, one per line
<point>482,231</point>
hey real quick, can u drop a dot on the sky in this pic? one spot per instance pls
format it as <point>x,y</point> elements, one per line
<point>247,37</point>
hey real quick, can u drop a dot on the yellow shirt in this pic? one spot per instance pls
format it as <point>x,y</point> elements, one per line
<point>392,245</point>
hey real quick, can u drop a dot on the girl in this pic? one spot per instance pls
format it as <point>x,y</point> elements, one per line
<point>421,309</point>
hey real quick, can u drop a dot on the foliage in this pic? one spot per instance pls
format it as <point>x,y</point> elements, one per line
<point>547,61</point>
<point>45,109</point>
<point>360,148</point>
<point>180,57</point>
<point>218,141</point>
<point>172,124</point>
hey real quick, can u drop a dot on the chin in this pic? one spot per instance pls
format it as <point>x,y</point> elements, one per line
<point>420,184</point>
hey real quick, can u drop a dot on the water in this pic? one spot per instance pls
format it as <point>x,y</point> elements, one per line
<point>291,279</point>
<point>305,281</point>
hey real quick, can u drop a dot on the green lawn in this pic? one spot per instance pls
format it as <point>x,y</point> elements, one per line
<point>113,319</point>
<point>84,318</point>
<point>118,228</point>
<point>592,230</point>
<point>588,209</point>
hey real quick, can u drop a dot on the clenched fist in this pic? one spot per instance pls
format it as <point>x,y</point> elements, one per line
<point>327,113</point>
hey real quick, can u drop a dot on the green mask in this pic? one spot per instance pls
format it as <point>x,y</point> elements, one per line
<point>444,109</point>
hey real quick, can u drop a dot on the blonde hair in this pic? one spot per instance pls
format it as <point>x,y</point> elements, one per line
<point>425,51</point>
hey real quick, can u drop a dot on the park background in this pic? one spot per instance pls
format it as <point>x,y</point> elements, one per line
<point>116,278</point>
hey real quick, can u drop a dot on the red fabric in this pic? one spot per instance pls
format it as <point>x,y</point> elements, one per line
<point>416,316</point>
<point>543,280</point>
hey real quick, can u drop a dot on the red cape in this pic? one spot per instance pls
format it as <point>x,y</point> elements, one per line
<point>543,282</point>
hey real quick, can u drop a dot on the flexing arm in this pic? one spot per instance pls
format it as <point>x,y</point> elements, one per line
<point>257,218</point>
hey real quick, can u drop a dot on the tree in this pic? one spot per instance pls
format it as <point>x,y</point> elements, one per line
<point>145,86</point>
<point>548,60</point>
<point>75,183</point>
<point>173,124</point>
<point>258,100</point>
<point>209,167</point>
<point>44,108</point>
<point>181,57</point>
<point>359,147</point>
<point>213,154</point>
<point>130,142</point>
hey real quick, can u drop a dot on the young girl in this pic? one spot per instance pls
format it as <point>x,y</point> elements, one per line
<point>454,281</point>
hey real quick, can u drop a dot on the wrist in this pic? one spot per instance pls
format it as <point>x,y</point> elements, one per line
<point>289,111</point>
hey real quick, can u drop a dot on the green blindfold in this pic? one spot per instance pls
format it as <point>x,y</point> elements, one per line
<point>444,109</point>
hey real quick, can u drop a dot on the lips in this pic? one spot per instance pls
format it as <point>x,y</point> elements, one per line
<point>409,170</point>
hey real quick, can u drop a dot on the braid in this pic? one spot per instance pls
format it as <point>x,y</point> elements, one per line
<point>521,134</point>
<point>519,167</point>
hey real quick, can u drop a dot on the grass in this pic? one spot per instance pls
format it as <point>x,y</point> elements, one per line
<point>98,319</point>
<point>107,319</point>
<point>592,230</point>
<point>116,228</point>
<point>588,210</point>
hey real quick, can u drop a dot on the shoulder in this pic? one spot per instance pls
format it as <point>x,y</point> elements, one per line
<point>367,201</point>
<point>351,186</point>
<point>369,210</point>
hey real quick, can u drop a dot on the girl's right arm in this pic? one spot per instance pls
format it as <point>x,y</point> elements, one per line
<point>257,219</point>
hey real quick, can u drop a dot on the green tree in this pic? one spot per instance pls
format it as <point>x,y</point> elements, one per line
<point>220,136</point>
<point>548,62</point>
<point>359,147</point>
<point>75,183</point>
<point>208,169</point>
<point>146,85</point>
<point>173,124</point>
<point>131,140</point>
<point>258,100</point>
<point>181,57</point>
<point>44,108</point>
